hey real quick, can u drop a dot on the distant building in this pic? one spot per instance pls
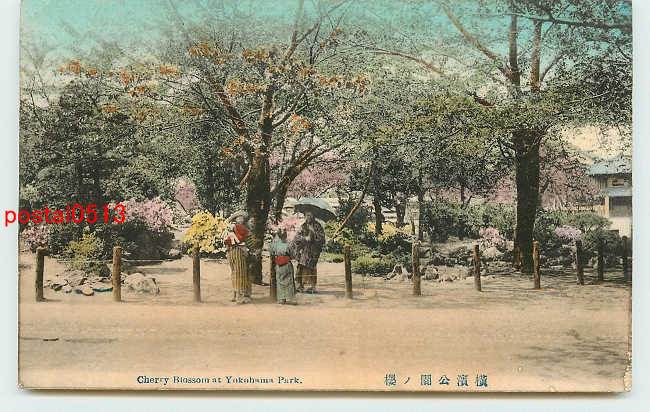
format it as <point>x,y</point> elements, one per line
<point>614,180</point>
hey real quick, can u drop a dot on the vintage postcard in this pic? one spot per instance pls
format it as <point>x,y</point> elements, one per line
<point>297,195</point>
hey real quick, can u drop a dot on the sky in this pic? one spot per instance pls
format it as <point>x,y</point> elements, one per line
<point>68,26</point>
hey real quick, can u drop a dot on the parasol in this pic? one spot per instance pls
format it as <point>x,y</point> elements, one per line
<point>317,207</point>
<point>235,215</point>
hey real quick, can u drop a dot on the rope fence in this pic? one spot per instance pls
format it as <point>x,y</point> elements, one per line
<point>117,260</point>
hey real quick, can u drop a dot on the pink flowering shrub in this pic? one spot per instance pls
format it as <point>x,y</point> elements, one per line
<point>35,236</point>
<point>491,237</point>
<point>154,213</point>
<point>185,194</point>
<point>567,233</point>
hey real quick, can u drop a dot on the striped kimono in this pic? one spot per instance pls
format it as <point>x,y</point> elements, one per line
<point>237,253</point>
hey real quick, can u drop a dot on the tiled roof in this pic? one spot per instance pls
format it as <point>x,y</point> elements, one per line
<point>615,166</point>
<point>618,191</point>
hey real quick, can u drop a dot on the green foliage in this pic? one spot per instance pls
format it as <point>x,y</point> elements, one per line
<point>61,235</point>
<point>358,222</point>
<point>137,240</point>
<point>367,264</point>
<point>499,216</point>
<point>587,221</point>
<point>612,244</point>
<point>392,239</point>
<point>441,219</point>
<point>331,257</point>
<point>85,253</point>
<point>593,227</point>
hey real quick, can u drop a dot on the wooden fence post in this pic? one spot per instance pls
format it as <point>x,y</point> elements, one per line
<point>196,272</point>
<point>415,252</point>
<point>579,269</point>
<point>537,277</point>
<point>601,261</point>
<point>626,271</point>
<point>348,271</point>
<point>273,281</point>
<point>40,268</point>
<point>116,274</point>
<point>476,259</point>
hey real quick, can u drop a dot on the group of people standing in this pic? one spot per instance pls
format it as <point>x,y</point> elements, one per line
<point>305,249</point>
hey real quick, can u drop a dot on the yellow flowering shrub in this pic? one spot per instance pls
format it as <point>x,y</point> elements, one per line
<point>206,230</point>
<point>389,230</point>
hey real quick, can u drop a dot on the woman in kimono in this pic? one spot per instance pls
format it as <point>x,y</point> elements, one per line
<point>237,252</point>
<point>307,246</point>
<point>279,250</point>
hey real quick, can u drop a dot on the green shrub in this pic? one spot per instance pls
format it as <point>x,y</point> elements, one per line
<point>373,265</point>
<point>359,220</point>
<point>612,244</point>
<point>592,226</point>
<point>499,216</point>
<point>60,236</point>
<point>331,257</point>
<point>392,240</point>
<point>441,219</point>
<point>85,254</point>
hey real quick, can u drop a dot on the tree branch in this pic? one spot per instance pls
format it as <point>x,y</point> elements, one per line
<point>475,42</point>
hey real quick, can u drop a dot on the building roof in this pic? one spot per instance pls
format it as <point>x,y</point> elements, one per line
<point>618,191</point>
<point>616,166</point>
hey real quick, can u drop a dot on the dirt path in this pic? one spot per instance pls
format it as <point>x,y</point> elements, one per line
<point>563,337</point>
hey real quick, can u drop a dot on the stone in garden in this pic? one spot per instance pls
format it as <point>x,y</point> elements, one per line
<point>75,277</point>
<point>56,283</point>
<point>491,253</point>
<point>430,273</point>
<point>398,271</point>
<point>66,289</point>
<point>101,287</point>
<point>140,283</point>
<point>84,290</point>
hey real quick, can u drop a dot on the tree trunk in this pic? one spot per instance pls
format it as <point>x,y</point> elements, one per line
<point>526,146</point>
<point>258,197</point>
<point>463,198</point>
<point>400,210</point>
<point>278,201</point>
<point>420,206</point>
<point>211,204</point>
<point>376,199</point>
<point>379,217</point>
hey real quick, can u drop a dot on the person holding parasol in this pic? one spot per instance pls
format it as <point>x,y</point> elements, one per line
<point>308,243</point>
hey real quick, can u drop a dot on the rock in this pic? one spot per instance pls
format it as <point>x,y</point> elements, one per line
<point>84,290</point>
<point>449,274</point>
<point>430,273</point>
<point>101,287</point>
<point>140,283</point>
<point>398,272</point>
<point>66,289</point>
<point>75,277</point>
<point>491,253</point>
<point>447,277</point>
<point>175,254</point>
<point>57,283</point>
